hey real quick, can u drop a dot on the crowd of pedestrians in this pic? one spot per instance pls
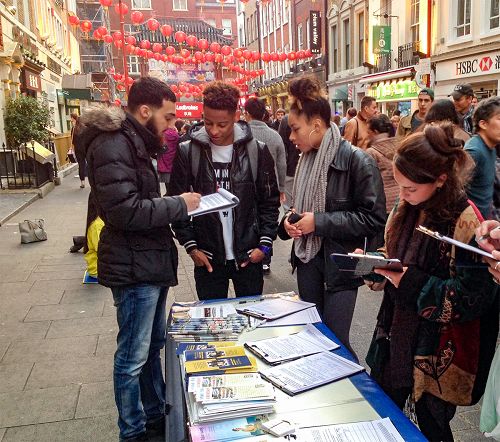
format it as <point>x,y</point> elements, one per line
<point>362,182</point>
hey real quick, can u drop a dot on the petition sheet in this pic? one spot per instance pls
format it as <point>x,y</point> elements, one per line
<point>307,316</point>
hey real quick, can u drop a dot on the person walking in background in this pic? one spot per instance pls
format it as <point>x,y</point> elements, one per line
<point>78,150</point>
<point>278,116</point>
<point>184,133</point>
<point>137,257</point>
<point>254,110</point>
<point>339,196</point>
<point>482,149</point>
<point>349,115</point>
<point>356,129</point>
<point>222,153</point>
<point>292,158</point>
<point>382,148</point>
<point>395,119</point>
<point>166,159</point>
<point>463,95</point>
<point>438,322</point>
<point>411,123</point>
<point>336,120</point>
<point>444,110</point>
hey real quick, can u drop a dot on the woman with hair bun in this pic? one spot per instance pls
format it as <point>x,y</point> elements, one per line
<point>339,197</point>
<point>438,322</point>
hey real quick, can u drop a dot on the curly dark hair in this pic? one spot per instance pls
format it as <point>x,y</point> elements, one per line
<point>485,110</point>
<point>308,98</point>
<point>221,96</point>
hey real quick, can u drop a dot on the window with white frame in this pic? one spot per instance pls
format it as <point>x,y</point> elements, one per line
<point>347,44</point>
<point>227,26</point>
<point>142,4</point>
<point>134,66</point>
<point>286,11</point>
<point>494,14</point>
<point>180,5</point>
<point>300,37</point>
<point>462,18</point>
<point>271,17</point>
<point>334,44</point>
<point>264,20</point>
<point>210,21</point>
<point>415,20</point>
<point>279,11</point>
<point>361,38</point>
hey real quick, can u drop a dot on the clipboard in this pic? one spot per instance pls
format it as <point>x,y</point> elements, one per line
<point>362,265</point>
<point>274,308</point>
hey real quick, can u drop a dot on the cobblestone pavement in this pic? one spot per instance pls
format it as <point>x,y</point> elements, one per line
<point>57,337</point>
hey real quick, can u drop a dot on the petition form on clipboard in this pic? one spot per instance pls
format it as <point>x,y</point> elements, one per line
<point>215,202</point>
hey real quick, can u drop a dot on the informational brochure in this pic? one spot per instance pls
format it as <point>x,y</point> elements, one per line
<point>273,308</point>
<point>212,311</point>
<point>215,202</point>
<point>285,348</point>
<point>228,431</point>
<point>381,430</point>
<point>310,372</point>
<point>307,316</point>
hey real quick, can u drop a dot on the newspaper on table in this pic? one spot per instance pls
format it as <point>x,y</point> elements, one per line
<point>215,202</point>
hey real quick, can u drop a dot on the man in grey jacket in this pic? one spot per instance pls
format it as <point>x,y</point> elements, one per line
<point>255,114</point>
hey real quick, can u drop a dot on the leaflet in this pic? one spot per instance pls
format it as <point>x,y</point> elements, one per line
<point>381,430</point>
<point>257,391</point>
<point>212,311</point>
<point>310,372</point>
<point>274,308</point>
<point>224,380</point>
<point>285,348</point>
<point>215,202</point>
<point>307,316</point>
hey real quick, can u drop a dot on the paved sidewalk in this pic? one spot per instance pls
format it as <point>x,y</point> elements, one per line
<point>57,337</point>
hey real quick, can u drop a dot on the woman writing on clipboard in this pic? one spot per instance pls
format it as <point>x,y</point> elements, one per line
<point>438,322</point>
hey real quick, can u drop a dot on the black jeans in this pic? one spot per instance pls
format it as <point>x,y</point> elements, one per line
<point>336,308</point>
<point>247,281</point>
<point>433,414</point>
<point>82,169</point>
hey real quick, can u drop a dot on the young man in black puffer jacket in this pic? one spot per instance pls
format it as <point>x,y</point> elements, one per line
<point>223,153</point>
<point>137,257</point>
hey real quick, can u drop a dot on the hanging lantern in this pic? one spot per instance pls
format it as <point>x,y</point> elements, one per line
<point>86,26</point>
<point>131,40</point>
<point>185,53</point>
<point>74,20</point>
<point>238,53</point>
<point>275,56</point>
<point>199,56</point>
<point>282,56</point>
<point>117,35</point>
<point>151,54</point>
<point>117,77</point>
<point>209,57</point>
<point>157,47</point>
<point>118,44</point>
<point>166,30</point>
<point>255,56</point>
<point>118,102</point>
<point>180,37</point>
<point>203,44</point>
<point>191,40</point>
<point>130,81</point>
<point>137,17</point>
<point>130,49</point>
<point>108,39</point>
<point>102,30</point>
<point>308,53</point>
<point>121,9</point>
<point>247,55</point>
<point>106,3</point>
<point>218,58</point>
<point>157,56</point>
<point>292,56</point>
<point>153,24</point>
<point>215,47</point>
<point>145,44</point>
<point>301,54</point>
<point>97,35</point>
<point>266,57</point>
<point>225,50</point>
<point>170,50</point>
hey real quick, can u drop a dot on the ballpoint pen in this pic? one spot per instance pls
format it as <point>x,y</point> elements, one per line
<point>487,235</point>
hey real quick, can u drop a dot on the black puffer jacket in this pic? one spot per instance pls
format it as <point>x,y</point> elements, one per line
<point>255,218</point>
<point>355,209</point>
<point>136,244</point>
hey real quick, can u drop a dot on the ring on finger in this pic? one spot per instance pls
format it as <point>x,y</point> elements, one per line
<point>496,266</point>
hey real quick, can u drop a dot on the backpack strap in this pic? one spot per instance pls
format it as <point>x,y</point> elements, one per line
<point>253,155</point>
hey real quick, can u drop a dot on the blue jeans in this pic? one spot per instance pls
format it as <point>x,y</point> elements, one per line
<point>137,375</point>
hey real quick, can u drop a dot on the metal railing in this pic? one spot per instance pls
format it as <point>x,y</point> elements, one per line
<point>20,169</point>
<point>383,62</point>
<point>408,54</point>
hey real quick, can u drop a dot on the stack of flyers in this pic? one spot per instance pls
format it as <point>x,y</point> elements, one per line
<point>229,430</point>
<point>207,329</point>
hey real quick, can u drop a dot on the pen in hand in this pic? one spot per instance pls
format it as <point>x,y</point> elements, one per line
<point>487,235</point>
<point>191,189</point>
<point>364,248</point>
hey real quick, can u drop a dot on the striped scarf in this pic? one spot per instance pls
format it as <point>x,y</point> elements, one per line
<point>309,188</point>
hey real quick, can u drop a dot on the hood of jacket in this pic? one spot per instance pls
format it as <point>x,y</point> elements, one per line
<point>386,146</point>
<point>96,120</point>
<point>242,134</point>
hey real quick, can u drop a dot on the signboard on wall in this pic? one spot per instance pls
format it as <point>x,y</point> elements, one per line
<point>191,110</point>
<point>32,80</point>
<point>396,90</point>
<point>315,32</point>
<point>381,39</point>
<point>465,67</point>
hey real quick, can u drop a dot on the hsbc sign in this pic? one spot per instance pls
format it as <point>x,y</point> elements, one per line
<point>469,66</point>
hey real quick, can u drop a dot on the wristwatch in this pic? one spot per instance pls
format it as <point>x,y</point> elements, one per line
<point>265,249</point>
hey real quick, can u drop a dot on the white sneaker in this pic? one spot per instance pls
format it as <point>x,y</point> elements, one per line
<point>266,268</point>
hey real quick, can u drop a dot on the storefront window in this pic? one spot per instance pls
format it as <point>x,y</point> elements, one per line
<point>462,27</point>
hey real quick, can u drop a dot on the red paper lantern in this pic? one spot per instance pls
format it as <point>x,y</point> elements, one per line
<point>282,56</point>
<point>117,77</point>
<point>102,30</point>
<point>247,55</point>
<point>199,56</point>
<point>308,53</point>
<point>117,35</point>
<point>203,44</point>
<point>301,54</point>
<point>180,37</point>
<point>191,40</point>
<point>170,50</point>
<point>266,57</point>
<point>131,40</point>
<point>174,88</point>
<point>262,71</point>
<point>130,81</point>
<point>118,43</point>
<point>166,30</point>
<point>157,56</point>
<point>74,20</point>
<point>292,56</point>
<point>238,53</point>
<point>118,102</point>
<point>225,50</point>
<point>130,49</point>
<point>141,52</point>
<point>219,58</point>
<point>137,17</point>
<point>153,24</point>
<point>209,57</point>
<point>275,56</point>
<point>96,35</point>
<point>86,26</point>
<point>255,56</point>
<point>121,9</point>
<point>108,39</point>
<point>150,54</point>
<point>185,53</point>
<point>157,47</point>
<point>106,3</point>
<point>215,47</point>
<point>145,44</point>
<point>187,95</point>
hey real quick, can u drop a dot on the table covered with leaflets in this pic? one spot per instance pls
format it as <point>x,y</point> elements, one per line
<point>264,369</point>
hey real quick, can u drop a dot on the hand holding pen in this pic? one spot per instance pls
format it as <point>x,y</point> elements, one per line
<point>488,235</point>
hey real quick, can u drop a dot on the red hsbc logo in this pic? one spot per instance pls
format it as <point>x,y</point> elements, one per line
<point>485,64</point>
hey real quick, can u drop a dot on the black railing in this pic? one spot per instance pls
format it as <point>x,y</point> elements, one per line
<point>408,54</point>
<point>20,168</point>
<point>383,62</point>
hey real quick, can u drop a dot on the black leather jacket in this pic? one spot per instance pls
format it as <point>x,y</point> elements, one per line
<point>256,216</point>
<point>355,209</point>
<point>136,244</point>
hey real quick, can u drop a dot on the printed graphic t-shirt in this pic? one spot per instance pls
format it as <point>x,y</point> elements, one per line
<point>221,159</point>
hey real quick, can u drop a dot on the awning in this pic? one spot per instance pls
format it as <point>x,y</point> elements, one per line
<point>339,93</point>
<point>388,75</point>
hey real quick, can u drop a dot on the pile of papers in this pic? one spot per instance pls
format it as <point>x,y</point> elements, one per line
<point>214,398</point>
<point>229,430</point>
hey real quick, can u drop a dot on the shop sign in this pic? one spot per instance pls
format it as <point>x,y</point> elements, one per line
<point>394,91</point>
<point>32,80</point>
<point>315,32</point>
<point>475,65</point>
<point>381,39</point>
<point>188,110</point>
